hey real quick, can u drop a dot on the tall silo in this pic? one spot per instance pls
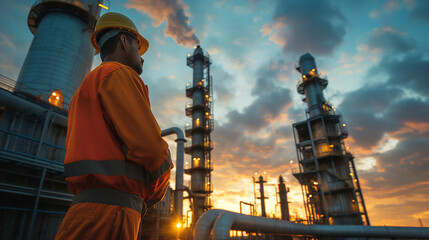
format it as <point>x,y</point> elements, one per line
<point>60,55</point>
<point>201,112</point>
<point>332,193</point>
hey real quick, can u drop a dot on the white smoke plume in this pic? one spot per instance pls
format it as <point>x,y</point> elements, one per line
<point>172,11</point>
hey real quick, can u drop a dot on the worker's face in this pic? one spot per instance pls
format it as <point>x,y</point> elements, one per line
<point>137,60</point>
<point>133,56</point>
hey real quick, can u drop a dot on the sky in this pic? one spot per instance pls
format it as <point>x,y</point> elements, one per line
<point>375,54</point>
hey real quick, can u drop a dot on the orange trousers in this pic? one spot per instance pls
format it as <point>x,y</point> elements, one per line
<point>99,221</point>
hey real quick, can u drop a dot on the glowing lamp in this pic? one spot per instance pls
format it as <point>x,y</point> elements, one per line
<point>56,98</point>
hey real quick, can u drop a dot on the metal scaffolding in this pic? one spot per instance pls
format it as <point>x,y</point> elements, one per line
<point>328,177</point>
<point>201,112</point>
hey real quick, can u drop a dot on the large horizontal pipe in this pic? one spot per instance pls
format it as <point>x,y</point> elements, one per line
<point>224,221</point>
<point>178,200</point>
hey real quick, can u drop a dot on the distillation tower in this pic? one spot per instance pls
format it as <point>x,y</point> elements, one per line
<point>33,118</point>
<point>327,173</point>
<point>201,112</point>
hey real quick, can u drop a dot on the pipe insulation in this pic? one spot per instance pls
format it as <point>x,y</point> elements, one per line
<point>226,221</point>
<point>178,199</point>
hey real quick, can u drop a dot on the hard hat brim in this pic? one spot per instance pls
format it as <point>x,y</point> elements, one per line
<point>143,43</point>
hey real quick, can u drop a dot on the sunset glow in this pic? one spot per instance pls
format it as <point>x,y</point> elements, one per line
<point>374,53</point>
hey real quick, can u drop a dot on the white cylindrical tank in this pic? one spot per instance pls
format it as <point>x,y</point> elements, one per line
<point>60,55</point>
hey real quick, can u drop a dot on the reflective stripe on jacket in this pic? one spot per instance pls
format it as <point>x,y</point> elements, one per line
<point>113,139</point>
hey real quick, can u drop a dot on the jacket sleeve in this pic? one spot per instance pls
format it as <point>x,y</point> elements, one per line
<point>127,106</point>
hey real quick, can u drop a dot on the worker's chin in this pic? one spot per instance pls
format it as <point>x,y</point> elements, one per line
<point>139,69</point>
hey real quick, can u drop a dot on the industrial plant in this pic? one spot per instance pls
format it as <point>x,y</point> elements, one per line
<point>33,126</point>
<point>331,189</point>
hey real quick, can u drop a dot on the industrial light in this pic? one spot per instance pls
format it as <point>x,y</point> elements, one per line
<point>265,172</point>
<point>56,98</point>
<point>315,183</point>
<point>101,5</point>
<point>344,124</point>
<point>178,225</point>
<point>291,161</point>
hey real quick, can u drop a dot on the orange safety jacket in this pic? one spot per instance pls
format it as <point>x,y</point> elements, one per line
<point>113,140</point>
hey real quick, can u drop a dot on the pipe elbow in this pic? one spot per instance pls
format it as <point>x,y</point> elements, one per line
<point>205,223</point>
<point>174,130</point>
<point>223,225</point>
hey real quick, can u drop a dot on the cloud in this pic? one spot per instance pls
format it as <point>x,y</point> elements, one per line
<point>174,13</point>
<point>262,110</point>
<point>167,101</point>
<point>421,10</point>
<point>409,72</point>
<point>397,176</point>
<point>5,40</point>
<point>222,81</point>
<point>299,27</point>
<point>249,138</point>
<point>388,119</point>
<point>391,40</point>
<point>388,7</point>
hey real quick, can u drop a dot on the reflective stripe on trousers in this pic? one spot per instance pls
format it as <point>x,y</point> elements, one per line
<point>111,197</point>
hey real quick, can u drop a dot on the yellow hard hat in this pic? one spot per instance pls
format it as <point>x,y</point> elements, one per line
<point>117,20</point>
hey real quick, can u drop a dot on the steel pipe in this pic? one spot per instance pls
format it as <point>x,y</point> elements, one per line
<point>223,221</point>
<point>178,199</point>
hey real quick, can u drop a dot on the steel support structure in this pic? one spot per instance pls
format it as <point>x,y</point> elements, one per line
<point>331,189</point>
<point>201,112</point>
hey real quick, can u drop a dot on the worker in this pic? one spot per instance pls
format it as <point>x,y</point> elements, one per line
<point>117,164</point>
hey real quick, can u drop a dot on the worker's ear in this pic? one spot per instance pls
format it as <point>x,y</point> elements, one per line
<point>124,42</point>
